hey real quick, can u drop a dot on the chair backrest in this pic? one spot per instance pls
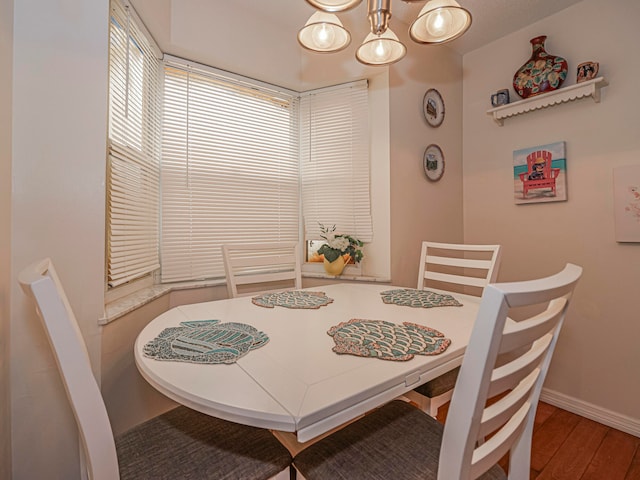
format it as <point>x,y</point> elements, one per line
<point>269,266</point>
<point>40,282</point>
<point>468,267</point>
<point>476,436</point>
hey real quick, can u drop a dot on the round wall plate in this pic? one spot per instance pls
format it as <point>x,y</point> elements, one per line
<point>433,107</point>
<point>433,162</point>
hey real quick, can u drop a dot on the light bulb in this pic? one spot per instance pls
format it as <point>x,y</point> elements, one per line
<point>323,35</point>
<point>381,51</point>
<point>439,22</point>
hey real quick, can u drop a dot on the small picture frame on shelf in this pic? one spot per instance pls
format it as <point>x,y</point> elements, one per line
<point>501,97</point>
<point>587,71</point>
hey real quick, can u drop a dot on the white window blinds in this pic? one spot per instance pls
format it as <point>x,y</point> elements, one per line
<point>230,170</point>
<point>334,158</point>
<point>134,149</point>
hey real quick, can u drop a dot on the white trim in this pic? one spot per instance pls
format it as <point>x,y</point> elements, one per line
<point>145,30</point>
<point>356,83</point>
<point>172,60</point>
<point>116,293</point>
<point>593,412</point>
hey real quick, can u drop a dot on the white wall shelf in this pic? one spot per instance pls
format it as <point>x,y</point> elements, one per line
<point>590,88</point>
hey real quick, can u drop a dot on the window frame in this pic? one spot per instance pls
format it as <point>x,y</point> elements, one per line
<point>133,152</point>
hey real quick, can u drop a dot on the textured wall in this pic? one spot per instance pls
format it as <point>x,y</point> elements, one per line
<point>58,202</point>
<point>597,356</point>
<point>422,209</point>
<point>6,60</point>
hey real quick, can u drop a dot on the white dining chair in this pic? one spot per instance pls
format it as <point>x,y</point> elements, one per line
<point>462,268</point>
<point>465,268</point>
<point>401,441</point>
<point>181,443</point>
<point>261,267</point>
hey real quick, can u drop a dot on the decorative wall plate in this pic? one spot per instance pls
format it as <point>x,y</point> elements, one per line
<point>433,107</point>
<point>433,162</point>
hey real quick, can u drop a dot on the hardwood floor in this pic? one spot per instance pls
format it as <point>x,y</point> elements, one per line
<point>567,446</point>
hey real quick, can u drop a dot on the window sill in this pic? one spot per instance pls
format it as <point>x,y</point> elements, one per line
<point>120,307</point>
<point>346,276</point>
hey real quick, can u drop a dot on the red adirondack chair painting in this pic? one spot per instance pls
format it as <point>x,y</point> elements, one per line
<point>539,173</point>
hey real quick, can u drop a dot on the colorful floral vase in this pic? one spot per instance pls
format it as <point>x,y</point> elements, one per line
<point>542,73</point>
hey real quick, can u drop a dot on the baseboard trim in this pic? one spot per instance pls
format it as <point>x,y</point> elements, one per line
<point>592,412</point>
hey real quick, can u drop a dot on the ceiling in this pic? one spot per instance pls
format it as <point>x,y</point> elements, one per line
<point>212,31</point>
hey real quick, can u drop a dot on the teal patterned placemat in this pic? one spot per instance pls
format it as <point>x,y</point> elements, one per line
<point>410,297</point>
<point>293,299</point>
<point>205,341</point>
<point>387,340</point>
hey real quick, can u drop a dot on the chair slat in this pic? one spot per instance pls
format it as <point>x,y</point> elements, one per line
<point>507,377</point>
<point>459,279</point>
<point>526,331</point>
<point>498,413</point>
<point>249,264</point>
<point>492,450</point>
<point>459,262</point>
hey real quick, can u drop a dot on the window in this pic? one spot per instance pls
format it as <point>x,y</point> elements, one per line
<point>134,150</point>
<point>335,162</point>
<point>230,170</point>
<point>199,158</point>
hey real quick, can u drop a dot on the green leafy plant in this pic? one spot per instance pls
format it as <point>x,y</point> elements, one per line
<point>339,244</point>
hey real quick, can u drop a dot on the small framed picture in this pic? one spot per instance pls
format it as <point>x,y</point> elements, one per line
<point>540,174</point>
<point>626,201</point>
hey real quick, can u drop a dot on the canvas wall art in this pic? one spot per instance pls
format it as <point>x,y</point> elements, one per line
<point>540,174</point>
<point>626,202</point>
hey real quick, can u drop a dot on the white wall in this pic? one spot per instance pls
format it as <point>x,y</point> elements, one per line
<point>59,130</point>
<point>6,60</point>
<point>421,209</point>
<point>597,358</point>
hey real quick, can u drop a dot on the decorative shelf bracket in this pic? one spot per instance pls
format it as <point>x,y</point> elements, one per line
<point>590,88</point>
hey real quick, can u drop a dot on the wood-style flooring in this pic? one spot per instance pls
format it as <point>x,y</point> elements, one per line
<point>567,446</point>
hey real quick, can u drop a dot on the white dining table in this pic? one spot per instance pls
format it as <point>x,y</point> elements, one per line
<point>296,382</point>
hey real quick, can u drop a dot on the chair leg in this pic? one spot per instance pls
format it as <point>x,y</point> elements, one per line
<point>520,454</point>
<point>437,402</point>
<point>429,405</point>
<point>421,401</point>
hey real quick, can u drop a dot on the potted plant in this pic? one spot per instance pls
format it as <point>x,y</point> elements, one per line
<point>339,250</point>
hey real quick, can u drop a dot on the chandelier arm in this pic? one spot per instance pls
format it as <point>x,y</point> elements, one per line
<point>379,13</point>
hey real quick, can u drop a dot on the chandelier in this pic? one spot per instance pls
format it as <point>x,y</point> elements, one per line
<point>438,22</point>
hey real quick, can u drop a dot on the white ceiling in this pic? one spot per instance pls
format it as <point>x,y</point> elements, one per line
<point>210,31</point>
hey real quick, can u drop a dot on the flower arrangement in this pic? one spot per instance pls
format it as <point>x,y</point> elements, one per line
<point>339,244</point>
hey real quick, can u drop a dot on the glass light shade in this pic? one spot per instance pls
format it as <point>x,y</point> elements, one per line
<point>333,6</point>
<point>383,49</point>
<point>324,33</point>
<point>440,21</point>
